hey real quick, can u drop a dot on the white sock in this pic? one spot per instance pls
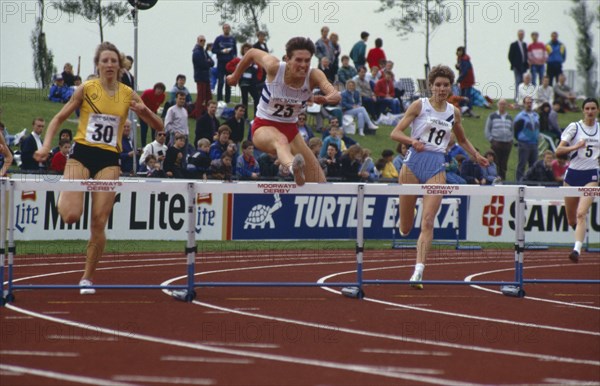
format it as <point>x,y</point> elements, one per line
<point>578,245</point>
<point>291,170</point>
<point>419,267</point>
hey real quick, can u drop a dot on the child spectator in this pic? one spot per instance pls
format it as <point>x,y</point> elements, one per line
<point>559,167</point>
<point>490,173</point>
<point>153,167</point>
<point>389,171</point>
<point>246,166</point>
<point>173,164</point>
<point>369,166</point>
<point>59,160</point>
<point>398,161</point>
<point>199,163</point>
<point>541,171</point>
<point>220,145</point>
<point>335,136</point>
<point>222,169</point>
<point>268,165</point>
<point>59,92</point>
<point>315,145</point>
<point>331,163</point>
<point>471,171</point>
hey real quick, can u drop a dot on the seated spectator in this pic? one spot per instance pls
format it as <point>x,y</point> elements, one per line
<point>153,167</point>
<point>199,163</point>
<point>541,171</point>
<point>367,95</point>
<point>320,112</point>
<point>525,89</point>
<point>127,150</point>
<point>454,148</point>
<point>346,71</point>
<point>59,92</point>
<point>68,75</point>
<point>462,103</point>
<point>59,160</point>
<point>544,93</point>
<point>331,163</point>
<point>386,94</point>
<point>471,171</point>
<point>268,165</point>
<point>351,105</point>
<point>373,76</point>
<point>547,124</point>
<point>156,148</point>
<point>401,149</point>
<point>232,150</point>
<point>315,145</point>
<point>368,166</point>
<point>335,137</point>
<point>453,170</point>
<point>305,131</point>
<point>174,165</point>
<point>351,162</point>
<point>389,171</point>
<point>219,146</point>
<point>559,167</point>
<point>490,173</point>
<point>564,95</point>
<point>348,141</point>
<point>246,167</point>
<point>222,169</point>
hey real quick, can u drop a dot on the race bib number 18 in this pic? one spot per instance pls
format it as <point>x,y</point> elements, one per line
<point>103,129</point>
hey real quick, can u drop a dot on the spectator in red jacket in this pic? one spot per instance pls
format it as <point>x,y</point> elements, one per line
<point>59,160</point>
<point>466,76</point>
<point>152,98</point>
<point>376,54</point>
<point>386,96</point>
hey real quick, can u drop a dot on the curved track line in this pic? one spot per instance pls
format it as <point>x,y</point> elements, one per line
<point>61,376</point>
<point>468,278</point>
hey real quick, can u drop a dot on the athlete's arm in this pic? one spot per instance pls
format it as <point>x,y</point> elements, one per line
<point>564,148</point>
<point>137,106</point>
<point>464,142</point>
<point>330,96</point>
<point>8,158</point>
<point>398,135</point>
<point>267,61</point>
<point>73,104</point>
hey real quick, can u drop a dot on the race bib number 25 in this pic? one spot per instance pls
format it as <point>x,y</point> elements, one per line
<point>103,129</point>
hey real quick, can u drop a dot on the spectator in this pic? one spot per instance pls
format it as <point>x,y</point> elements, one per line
<point>59,91</point>
<point>335,136</point>
<point>544,93</point>
<point>199,163</point>
<point>152,98</point>
<point>219,146</point>
<point>237,124</point>
<point>564,95</point>
<point>261,42</point>
<point>536,56</point>
<point>525,89</point>
<point>490,173</point>
<point>153,167</point>
<point>386,95</point>
<point>517,56</point>
<point>207,125</point>
<point>176,120</point>
<point>174,160</point>
<point>541,171</point>
<point>527,130</point>
<point>466,76</point>
<point>454,149</point>
<point>221,169</point>
<point>351,105</point>
<point>315,145</point>
<point>127,78</point>
<point>246,167</point>
<point>471,171</point>
<point>351,161</point>
<point>358,53</point>
<point>346,72</point>
<point>156,148</point>
<point>389,170</point>
<point>63,134</point>
<point>373,76</point>
<point>31,144</point>
<point>559,167</point>
<point>335,51</point>
<point>331,162</point>
<point>249,80</point>
<point>368,166</point>
<point>557,54</point>
<point>127,150</point>
<point>499,131</point>
<point>268,165</point>
<point>203,64</point>
<point>547,124</point>
<point>59,160</point>
<point>68,75</point>
<point>304,130</point>
<point>553,117</point>
<point>401,149</point>
<point>322,47</point>
<point>179,86</point>
<point>212,71</point>
<point>225,48</point>
<point>453,170</point>
<point>376,54</point>
<point>367,95</point>
<point>327,68</point>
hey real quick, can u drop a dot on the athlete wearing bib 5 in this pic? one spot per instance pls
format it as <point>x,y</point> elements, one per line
<point>104,104</point>
<point>431,120</point>
<point>581,141</point>
<point>288,87</point>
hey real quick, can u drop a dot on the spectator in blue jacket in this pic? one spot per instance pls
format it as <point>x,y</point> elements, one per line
<point>351,105</point>
<point>225,49</point>
<point>219,146</point>
<point>557,54</point>
<point>59,92</point>
<point>246,167</point>
<point>527,130</point>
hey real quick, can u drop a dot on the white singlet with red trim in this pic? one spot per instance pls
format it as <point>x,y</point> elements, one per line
<point>280,102</point>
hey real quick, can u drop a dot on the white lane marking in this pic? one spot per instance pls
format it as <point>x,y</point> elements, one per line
<point>56,312</point>
<point>236,344</point>
<point>232,361</point>
<point>167,380</point>
<point>82,338</point>
<point>455,314</point>
<point>17,317</point>
<point>406,352</point>
<point>470,277</point>
<point>559,381</point>
<point>40,353</point>
<point>364,369</point>
<point>62,376</point>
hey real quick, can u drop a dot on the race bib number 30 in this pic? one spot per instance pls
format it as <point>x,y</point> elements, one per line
<point>103,129</point>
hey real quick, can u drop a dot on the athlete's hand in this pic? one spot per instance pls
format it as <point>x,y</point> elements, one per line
<point>41,154</point>
<point>481,160</point>
<point>232,80</point>
<point>137,107</point>
<point>319,99</point>
<point>580,144</point>
<point>418,145</point>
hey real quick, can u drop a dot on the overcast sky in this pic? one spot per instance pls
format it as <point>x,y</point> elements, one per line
<point>167,35</point>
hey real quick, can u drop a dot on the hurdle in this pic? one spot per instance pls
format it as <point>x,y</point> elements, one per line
<point>454,203</point>
<point>354,288</point>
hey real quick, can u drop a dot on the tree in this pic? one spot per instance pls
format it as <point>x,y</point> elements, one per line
<point>43,58</point>
<point>586,60</point>
<point>246,13</point>
<point>93,10</point>
<point>416,13</point>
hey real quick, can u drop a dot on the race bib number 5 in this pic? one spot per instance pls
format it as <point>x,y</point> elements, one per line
<point>103,129</point>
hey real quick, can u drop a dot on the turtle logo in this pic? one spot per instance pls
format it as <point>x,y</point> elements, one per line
<point>492,216</point>
<point>260,215</point>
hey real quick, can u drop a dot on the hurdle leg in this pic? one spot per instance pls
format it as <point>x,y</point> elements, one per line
<point>10,297</point>
<point>191,247</point>
<point>2,237</point>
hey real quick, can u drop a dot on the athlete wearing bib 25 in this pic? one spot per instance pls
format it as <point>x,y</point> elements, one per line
<point>104,105</point>
<point>581,140</point>
<point>288,87</point>
<point>432,121</point>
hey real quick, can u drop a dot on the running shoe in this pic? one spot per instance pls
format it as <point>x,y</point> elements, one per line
<point>574,256</point>
<point>86,291</point>
<point>298,169</point>
<point>417,277</point>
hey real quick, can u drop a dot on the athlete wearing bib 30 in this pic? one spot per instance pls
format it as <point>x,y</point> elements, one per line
<point>288,87</point>
<point>432,120</point>
<point>104,105</point>
<point>581,141</point>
